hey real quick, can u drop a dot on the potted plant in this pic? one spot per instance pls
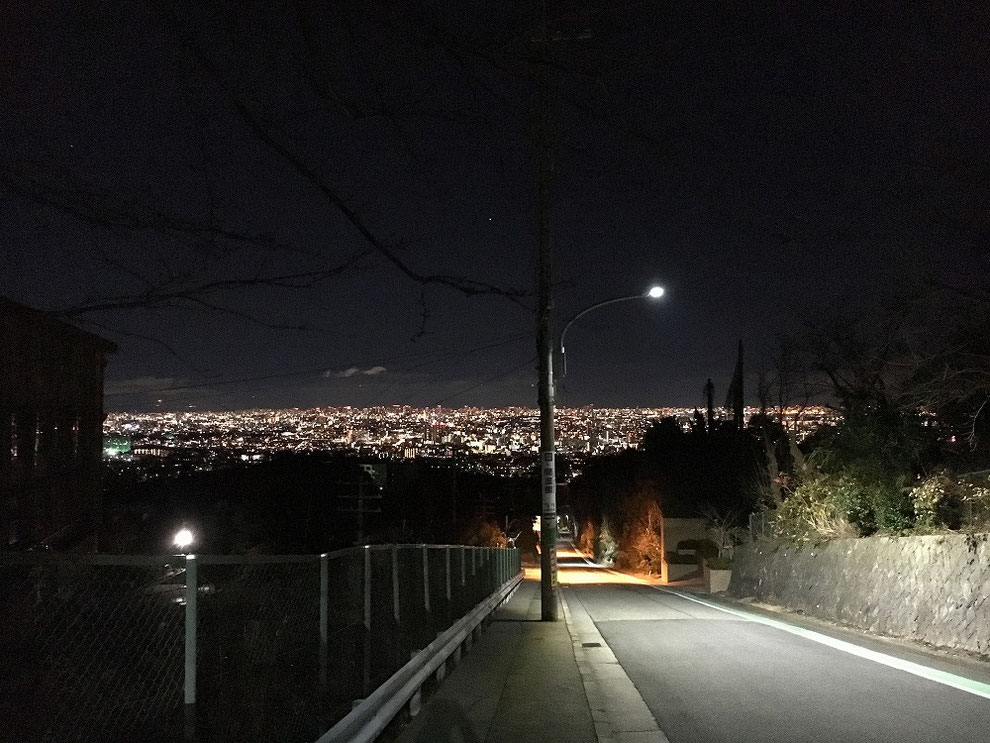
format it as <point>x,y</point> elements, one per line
<point>724,532</point>
<point>718,572</point>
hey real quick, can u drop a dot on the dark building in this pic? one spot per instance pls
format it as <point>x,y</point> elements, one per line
<point>51,429</point>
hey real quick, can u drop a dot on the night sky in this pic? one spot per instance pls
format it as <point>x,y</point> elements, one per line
<point>768,166</point>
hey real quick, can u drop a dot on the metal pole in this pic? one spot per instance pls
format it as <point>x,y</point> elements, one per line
<point>360,519</point>
<point>426,578</point>
<point>366,676</point>
<point>542,172</point>
<point>395,583</point>
<point>447,573</point>
<point>189,691</point>
<point>582,313</point>
<point>548,478</point>
<point>324,618</point>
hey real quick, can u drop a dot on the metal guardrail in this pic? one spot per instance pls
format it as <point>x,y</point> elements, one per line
<point>216,647</point>
<point>372,715</point>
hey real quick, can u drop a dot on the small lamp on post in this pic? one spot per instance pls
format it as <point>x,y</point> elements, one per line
<point>183,539</point>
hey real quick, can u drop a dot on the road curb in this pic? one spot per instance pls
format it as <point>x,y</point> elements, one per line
<point>617,708</point>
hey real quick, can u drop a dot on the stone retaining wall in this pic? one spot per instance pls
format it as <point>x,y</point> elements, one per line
<point>932,589</point>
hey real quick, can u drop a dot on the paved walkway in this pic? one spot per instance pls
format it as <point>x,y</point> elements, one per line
<point>519,683</point>
<point>531,681</point>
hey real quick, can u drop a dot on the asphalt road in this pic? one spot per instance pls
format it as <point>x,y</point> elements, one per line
<point>713,677</point>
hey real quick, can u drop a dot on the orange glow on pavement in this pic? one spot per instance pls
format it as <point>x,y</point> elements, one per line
<point>568,575</point>
<point>577,575</point>
<point>577,568</point>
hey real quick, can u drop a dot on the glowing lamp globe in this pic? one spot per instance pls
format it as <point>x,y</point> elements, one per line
<point>183,538</point>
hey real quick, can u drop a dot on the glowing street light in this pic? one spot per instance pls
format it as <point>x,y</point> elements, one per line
<point>183,538</point>
<point>548,446</point>
<point>654,292</point>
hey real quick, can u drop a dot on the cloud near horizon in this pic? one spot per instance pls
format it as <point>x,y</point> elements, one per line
<point>351,371</point>
<point>142,385</point>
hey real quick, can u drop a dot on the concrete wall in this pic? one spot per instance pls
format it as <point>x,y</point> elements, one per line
<point>673,531</point>
<point>677,530</point>
<point>932,589</point>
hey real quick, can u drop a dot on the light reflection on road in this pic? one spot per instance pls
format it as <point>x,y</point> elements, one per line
<point>575,568</point>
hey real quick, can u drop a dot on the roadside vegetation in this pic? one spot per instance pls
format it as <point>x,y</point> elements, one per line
<point>909,455</point>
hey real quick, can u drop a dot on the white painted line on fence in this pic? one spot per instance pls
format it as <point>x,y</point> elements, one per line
<point>970,686</point>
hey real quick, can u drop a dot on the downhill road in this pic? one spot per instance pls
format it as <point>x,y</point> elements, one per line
<point>714,676</point>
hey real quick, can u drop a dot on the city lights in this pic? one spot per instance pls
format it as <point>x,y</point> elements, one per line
<point>497,441</point>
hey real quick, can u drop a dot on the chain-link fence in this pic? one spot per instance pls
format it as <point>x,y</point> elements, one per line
<point>760,525</point>
<point>220,649</point>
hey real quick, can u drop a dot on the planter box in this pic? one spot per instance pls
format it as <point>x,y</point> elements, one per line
<point>670,571</point>
<point>718,580</point>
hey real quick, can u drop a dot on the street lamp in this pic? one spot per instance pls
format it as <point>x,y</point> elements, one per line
<point>548,447</point>
<point>654,292</point>
<point>183,538</point>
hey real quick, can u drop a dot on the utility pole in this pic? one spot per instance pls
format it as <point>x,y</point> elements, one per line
<point>542,175</point>
<point>360,513</point>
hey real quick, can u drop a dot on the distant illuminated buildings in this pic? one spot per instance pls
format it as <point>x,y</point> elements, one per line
<point>501,441</point>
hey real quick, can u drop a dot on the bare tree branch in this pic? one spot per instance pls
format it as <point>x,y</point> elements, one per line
<point>466,286</point>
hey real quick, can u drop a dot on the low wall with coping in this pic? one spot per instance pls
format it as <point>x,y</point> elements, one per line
<point>932,589</point>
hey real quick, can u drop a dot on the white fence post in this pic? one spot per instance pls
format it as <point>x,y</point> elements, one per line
<point>395,583</point>
<point>447,573</point>
<point>189,690</point>
<point>426,578</point>
<point>324,618</point>
<point>366,679</point>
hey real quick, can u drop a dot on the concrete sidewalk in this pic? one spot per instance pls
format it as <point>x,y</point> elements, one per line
<point>541,682</point>
<point>519,683</point>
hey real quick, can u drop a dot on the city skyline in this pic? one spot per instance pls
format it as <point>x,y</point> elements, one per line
<point>410,432</point>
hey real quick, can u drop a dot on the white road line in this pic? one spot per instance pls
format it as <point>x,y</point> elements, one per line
<point>970,686</point>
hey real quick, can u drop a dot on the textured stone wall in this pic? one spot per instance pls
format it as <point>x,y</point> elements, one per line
<point>933,589</point>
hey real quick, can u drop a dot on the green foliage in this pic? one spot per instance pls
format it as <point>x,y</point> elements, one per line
<point>856,479</point>
<point>812,512</point>
<point>828,506</point>
<point>675,558</point>
<point>876,445</point>
<point>871,503</point>
<point>719,563</point>
<point>705,548</point>
<point>605,545</point>
<point>926,498</point>
<point>483,533</point>
<point>943,502</point>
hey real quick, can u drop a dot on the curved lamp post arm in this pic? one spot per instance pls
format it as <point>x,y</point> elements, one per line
<point>582,313</point>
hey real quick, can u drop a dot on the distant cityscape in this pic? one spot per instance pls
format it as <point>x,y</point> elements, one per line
<point>500,441</point>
